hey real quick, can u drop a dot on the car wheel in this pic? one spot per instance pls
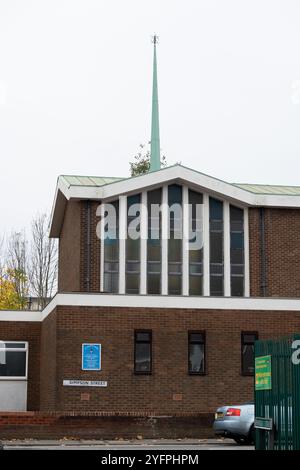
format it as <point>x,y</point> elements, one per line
<point>251,438</point>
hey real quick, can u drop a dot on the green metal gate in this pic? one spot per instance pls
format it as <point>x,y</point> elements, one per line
<point>277,394</point>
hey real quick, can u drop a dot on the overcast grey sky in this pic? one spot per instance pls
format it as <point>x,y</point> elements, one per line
<point>75,91</point>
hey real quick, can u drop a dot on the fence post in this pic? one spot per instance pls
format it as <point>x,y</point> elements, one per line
<point>271,435</point>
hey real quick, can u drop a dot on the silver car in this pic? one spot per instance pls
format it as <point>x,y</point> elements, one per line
<point>236,422</point>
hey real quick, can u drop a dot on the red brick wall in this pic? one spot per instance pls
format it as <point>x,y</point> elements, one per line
<point>48,383</point>
<point>27,331</point>
<point>282,252</point>
<point>93,284</point>
<point>97,426</point>
<point>169,389</point>
<point>282,248</point>
<point>73,251</point>
<point>69,249</point>
<point>254,253</point>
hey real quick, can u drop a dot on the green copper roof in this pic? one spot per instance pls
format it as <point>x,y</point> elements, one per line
<point>96,181</point>
<point>155,140</point>
<point>270,189</point>
<point>89,180</point>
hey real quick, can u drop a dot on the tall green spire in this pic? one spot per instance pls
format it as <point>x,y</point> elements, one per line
<point>155,142</point>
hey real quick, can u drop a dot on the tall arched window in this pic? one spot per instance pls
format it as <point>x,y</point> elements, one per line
<point>237,261</point>
<point>216,247</point>
<point>175,240</point>
<point>195,255</point>
<point>133,243</point>
<point>220,266</point>
<point>154,242</point>
<point>111,251</point>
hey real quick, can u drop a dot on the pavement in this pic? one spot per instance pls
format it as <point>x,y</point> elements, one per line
<point>120,444</point>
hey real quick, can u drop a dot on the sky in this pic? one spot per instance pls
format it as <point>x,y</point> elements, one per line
<point>75,91</point>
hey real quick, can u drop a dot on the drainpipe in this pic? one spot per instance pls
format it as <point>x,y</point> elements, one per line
<point>263,265</point>
<point>88,247</point>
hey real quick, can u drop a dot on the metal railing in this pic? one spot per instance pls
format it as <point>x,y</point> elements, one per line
<point>278,403</point>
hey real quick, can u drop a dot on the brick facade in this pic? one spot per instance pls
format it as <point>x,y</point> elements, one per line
<point>101,426</point>
<point>31,332</point>
<point>282,251</point>
<point>48,355</point>
<point>89,248</point>
<point>69,249</point>
<point>255,253</point>
<point>55,343</point>
<point>79,249</point>
<point>55,354</point>
<point>170,389</point>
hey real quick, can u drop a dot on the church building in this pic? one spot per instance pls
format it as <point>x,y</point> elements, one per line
<point>165,281</point>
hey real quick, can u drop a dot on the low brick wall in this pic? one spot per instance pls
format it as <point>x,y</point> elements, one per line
<point>56,425</point>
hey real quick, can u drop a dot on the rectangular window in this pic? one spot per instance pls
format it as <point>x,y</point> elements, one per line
<point>111,250</point>
<point>13,360</point>
<point>216,247</point>
<point>247,350</point>
<point>175,240</point>
<point>143,352</point>
<point>196,352</point>
<point>133,245</point>
<point>154,242</point>
<point>195,256</point>
<point>237,263</point>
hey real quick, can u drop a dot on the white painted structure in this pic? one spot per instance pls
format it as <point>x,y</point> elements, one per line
<point>13,388</point>
<point>13,395</point>
<point>154,301</point>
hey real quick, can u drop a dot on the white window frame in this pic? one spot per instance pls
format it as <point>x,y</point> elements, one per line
<point>143,243</point>
<point>25,349</point>
<point>122,243</point>
<point>101,241</point>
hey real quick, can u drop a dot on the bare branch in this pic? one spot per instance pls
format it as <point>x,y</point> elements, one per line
<point>16,264</point>
<point>43,261</point>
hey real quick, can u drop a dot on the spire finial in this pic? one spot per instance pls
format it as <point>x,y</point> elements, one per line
<point>155,140</point>
<point>155,39</point>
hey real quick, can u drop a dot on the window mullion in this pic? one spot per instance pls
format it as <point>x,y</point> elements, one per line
<point>143,243</point>
<point>206,270</point>
<point>226,216</point>
<point>185,241</point>
<point>122,241</point>
<point>246,254</point>
<point>164,241</point>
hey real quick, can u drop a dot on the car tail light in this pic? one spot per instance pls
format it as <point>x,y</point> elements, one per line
<point>233,412</point>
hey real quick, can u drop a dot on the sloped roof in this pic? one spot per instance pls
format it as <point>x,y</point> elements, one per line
<point>270,189</point>
<point>105,188</point>
<point>74,180</point>
<point>98,181</point>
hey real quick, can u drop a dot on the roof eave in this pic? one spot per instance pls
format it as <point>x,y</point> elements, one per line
<point>58,209</point>
<point>176,173</point>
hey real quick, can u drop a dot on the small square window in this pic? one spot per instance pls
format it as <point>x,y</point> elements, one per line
<point>196,352</point>
<point>247,352</point>
<point>143,352</point>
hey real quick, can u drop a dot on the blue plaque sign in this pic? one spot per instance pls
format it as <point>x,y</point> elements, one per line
<point>91,356</point>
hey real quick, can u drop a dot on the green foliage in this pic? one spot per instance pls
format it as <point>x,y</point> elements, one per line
<point>141,162</point>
